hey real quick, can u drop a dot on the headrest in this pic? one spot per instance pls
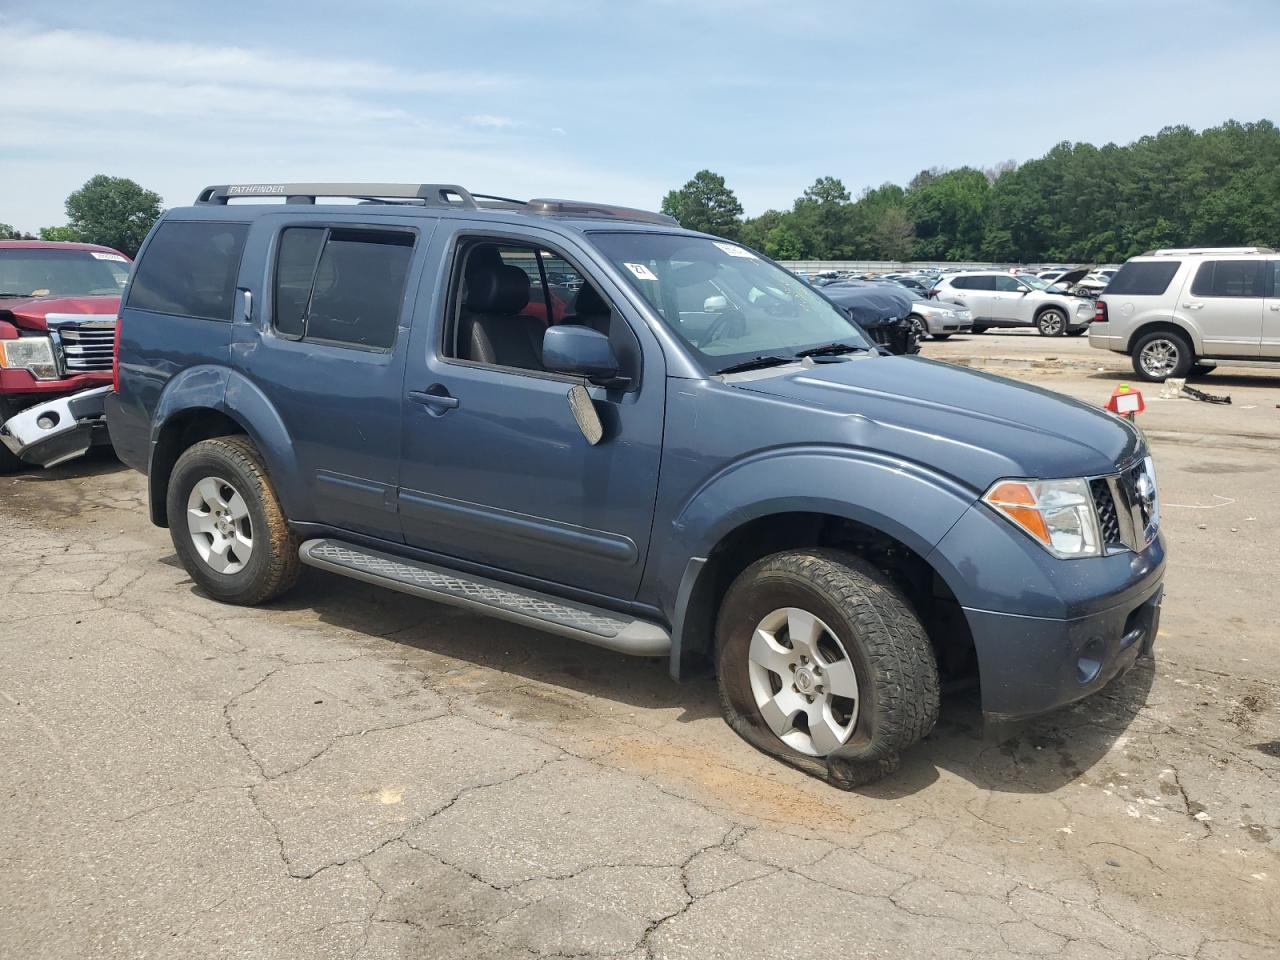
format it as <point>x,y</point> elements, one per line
<point>496,289</point>
<point>589,302</point>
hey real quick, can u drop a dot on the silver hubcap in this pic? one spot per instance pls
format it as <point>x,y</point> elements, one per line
<point>1159,358</point>
<point>1051,323</point>
<point>803,681</point>
<point>218,521</point>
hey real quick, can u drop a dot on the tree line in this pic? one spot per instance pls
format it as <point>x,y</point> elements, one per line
<point>1076,204</point>
<point>112,211</point>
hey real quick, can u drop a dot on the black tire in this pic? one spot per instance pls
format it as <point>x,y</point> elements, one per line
<point>978,328</point>
<point>1168,343</point>
<point>919,327</point>
<point>8,462</point>
<point>897,676</point>
<point>273,565</point>
<point>1199,370</point>
<point>1051,322</point>
<point>941,336</point>
<point>1077,332</point>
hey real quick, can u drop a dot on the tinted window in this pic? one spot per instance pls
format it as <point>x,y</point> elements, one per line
<point>982,283</point>
<point>962,283</point>
<point>1275,278</point>
<point>1228,278</point>
<point>1007,284</point>
<point>1144,278</point>
<point>341,285</point>
<point>189,269</point>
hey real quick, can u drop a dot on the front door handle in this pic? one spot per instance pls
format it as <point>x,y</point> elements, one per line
<point>435,398</point>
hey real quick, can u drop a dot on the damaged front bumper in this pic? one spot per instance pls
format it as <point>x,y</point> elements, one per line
<point>57,430</point>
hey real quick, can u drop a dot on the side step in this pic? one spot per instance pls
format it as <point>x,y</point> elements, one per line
<point>603,628</point>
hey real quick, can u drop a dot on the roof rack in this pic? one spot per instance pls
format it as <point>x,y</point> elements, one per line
<point>1205,251</point>
<point>448,195</point>
<point>428,194</point>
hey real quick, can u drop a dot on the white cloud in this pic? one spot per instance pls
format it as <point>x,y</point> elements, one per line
<point>491,121</point>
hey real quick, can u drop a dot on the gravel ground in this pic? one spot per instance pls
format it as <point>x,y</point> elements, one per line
<point>355,773</point>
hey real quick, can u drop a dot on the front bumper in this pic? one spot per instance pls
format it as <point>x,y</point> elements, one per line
<point>57,430</point>
<point>1030,665</point>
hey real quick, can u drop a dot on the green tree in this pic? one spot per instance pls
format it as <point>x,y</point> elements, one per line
<point>113,211</point>
<point>706,204</point>
<point>949,212</point>
<point>9,232</point>
<point>59,233</point>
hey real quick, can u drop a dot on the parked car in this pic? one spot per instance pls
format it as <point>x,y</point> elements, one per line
<point>1175,311</point>
<point>939,320</point>
<point>881,309</point>
<point>999,299</point>
<point>58,304</point>
<point>746,488</point>
<point>917,286</point>
<point>1095,281</point>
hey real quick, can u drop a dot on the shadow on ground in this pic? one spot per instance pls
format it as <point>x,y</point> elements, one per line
<point>1033,757</point>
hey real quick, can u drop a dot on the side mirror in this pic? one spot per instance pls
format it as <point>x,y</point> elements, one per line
<point>579,351</point>
<point>715,304</point>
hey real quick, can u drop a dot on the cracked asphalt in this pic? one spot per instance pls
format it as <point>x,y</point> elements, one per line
<point>351,773</point>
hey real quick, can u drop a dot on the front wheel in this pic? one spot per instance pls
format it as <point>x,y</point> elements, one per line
<point>227,525</point>
<point>1162,354</point>
<point>1051,323</point>
<point>942,336</point>
<point>8,462</point>
<point>1079,331</point>
<point>978,328</point>
<point>918,327</point>
<point>821,659</point>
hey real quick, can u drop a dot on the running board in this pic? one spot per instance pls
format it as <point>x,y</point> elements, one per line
<point>593,625</point>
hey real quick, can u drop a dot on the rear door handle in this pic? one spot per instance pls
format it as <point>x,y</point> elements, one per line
<point>435,398</point>
<point>1194,306</point>
<point>1274,306</point>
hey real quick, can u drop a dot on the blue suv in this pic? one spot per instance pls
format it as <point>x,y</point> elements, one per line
<point>680,451</point>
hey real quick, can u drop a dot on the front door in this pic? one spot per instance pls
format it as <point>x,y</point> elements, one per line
<point>1009,300</point>
<point>495,468</point>
<point>327,347</point>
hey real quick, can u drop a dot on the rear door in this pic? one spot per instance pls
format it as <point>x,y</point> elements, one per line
<point>1271,316</point>
<point>1226,301</point>
<point>327,345</point>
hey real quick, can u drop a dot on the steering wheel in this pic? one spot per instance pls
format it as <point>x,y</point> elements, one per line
<point>717,325</point>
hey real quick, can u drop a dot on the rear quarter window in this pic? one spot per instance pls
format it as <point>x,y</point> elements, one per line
<point>1144,278</point>
<point>189,269</point>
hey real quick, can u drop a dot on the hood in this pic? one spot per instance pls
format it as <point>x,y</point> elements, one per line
<point>869,304</point>
<point>31,313</point>
<point>971,425</point>
<point>1070,279</point>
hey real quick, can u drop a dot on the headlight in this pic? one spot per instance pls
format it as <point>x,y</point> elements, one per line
<point>1057,514</point>
<point>30,353</point>
<point>947,314</point>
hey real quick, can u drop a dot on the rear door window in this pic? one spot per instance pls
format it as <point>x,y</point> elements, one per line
<point>1144,278</point>
<point>1228,278</point>
<point>189,269</point>
<point>1007,284</point>
<point>341,285</point>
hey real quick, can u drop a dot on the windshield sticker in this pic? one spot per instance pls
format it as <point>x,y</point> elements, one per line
<point>641,271</point>
<point>107,256</point>
<point>734,250</point>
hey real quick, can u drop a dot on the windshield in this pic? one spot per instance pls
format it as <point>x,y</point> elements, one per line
<point>61,273</point>
<point>723,301</point>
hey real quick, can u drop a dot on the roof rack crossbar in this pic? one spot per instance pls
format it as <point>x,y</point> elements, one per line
<point>429,194</point>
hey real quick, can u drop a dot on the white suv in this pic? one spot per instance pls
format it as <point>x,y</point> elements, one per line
<point>999,299</point>
<point>1171,309</point>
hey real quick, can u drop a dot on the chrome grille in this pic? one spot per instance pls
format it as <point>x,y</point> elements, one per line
<point>86,347</point>
<point>1108,520</point>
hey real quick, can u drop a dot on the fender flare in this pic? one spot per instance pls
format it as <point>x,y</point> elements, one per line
<point>859,485</point>
<point>1171,320</point>
<point>216,388</point>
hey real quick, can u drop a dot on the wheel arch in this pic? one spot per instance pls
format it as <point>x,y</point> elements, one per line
<point>202,403</point>
<point>1166,325</point>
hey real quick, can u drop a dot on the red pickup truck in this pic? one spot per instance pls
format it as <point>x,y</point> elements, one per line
<point>58,307</point>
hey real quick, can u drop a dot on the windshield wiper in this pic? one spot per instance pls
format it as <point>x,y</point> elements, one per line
<point>755,363</point>
<point>830,349</point>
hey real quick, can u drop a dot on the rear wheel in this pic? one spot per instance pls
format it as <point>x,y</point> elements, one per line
<point>1077,332</point>
<point>1162,354</point>
<point>978,328</point>
<point>819,657</point>
<point>1051,322</point>
<point>227,525</point>
<point>942,336</point>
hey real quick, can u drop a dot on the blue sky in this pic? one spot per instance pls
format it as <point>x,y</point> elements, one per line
<point>598,100</point>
